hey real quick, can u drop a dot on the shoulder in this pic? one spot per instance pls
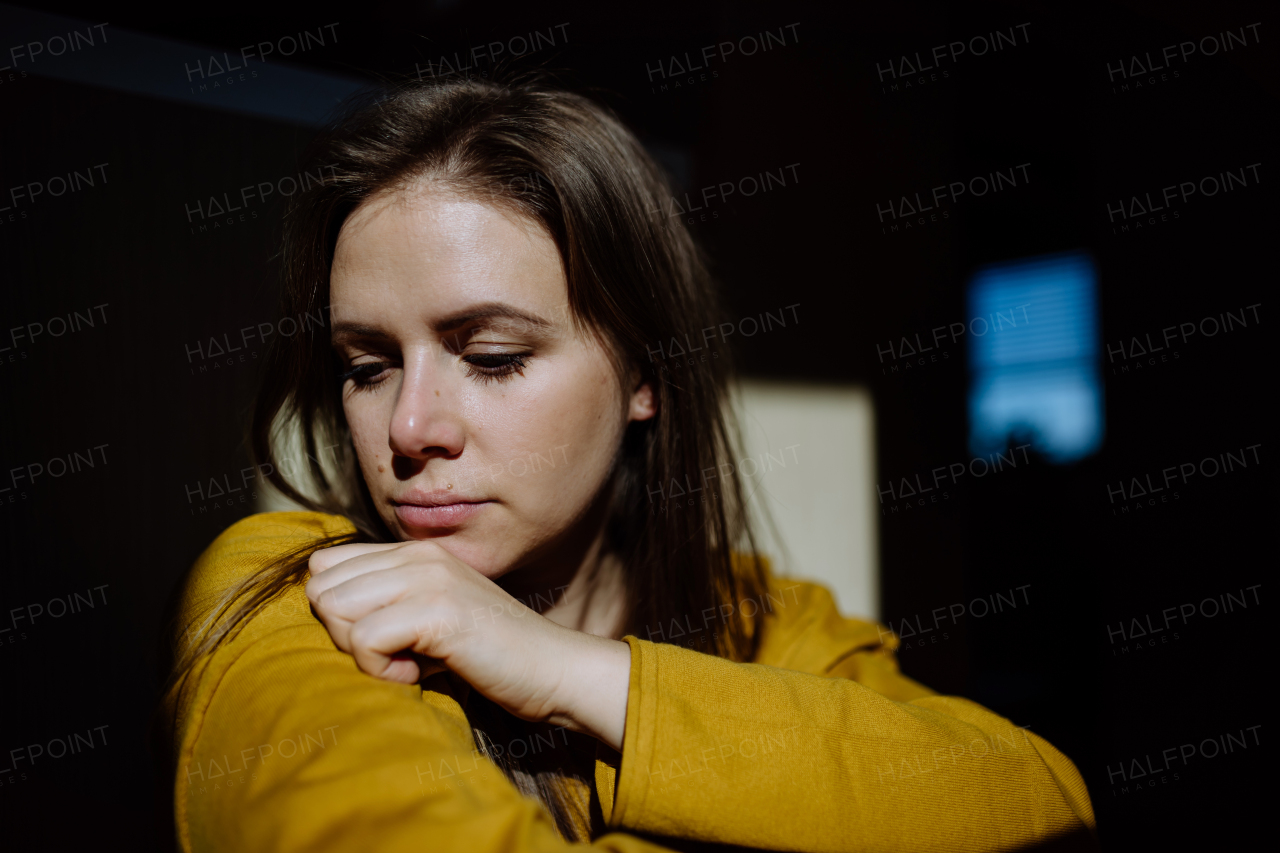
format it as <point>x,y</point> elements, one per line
<point>250,542</point>
<point>251,532</point>
<point>249,545</point>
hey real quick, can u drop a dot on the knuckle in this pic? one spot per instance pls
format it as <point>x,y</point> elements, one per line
<point>426,548</point>
<point>428,570</point>
<point>358,636</point>
<point>328,599</point>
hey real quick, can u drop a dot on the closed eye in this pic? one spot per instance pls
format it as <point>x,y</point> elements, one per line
<point>369,374</point>
<point>495,366</point>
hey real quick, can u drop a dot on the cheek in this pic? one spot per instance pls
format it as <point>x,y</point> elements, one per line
<point>560,435</point>
<point>369,425</point>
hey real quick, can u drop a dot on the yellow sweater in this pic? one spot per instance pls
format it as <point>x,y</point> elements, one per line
<point>821,745</point>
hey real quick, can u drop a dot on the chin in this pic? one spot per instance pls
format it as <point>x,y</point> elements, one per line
<point>471,546</point>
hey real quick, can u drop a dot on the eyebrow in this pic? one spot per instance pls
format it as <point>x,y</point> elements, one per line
<point>484,311</point>
<point>492,311</point>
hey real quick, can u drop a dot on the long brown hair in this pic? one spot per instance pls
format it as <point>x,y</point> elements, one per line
<point>635,278</point>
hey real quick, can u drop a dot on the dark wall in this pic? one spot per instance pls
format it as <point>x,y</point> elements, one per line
<point>139,394</point>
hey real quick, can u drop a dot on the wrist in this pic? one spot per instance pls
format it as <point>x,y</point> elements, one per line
<point>594,688</point>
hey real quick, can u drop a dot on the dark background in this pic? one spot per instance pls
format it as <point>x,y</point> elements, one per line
<point>128,382</point>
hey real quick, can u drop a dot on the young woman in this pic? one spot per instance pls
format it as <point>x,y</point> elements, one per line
<point>494,631</point>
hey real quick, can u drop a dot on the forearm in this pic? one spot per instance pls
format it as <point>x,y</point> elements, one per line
<point>804,762</point>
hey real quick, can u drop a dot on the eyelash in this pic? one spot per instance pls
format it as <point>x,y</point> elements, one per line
<point>509,365</point>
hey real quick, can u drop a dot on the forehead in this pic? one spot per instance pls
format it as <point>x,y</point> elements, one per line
<point>419,254</point>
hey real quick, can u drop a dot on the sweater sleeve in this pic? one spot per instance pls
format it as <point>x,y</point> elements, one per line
<point>284,744</point>
<point>849,755</point>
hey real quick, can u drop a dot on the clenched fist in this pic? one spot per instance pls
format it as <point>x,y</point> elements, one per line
<point>385,603</point>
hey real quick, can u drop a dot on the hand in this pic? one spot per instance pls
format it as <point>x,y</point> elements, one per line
<point>385,603</point>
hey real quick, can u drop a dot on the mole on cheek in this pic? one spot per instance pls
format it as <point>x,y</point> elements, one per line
<point>381,469</point>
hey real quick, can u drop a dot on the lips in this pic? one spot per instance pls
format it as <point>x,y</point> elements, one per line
<point>437,510</point>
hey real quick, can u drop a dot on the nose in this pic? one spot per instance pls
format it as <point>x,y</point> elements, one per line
<point>426,421</point>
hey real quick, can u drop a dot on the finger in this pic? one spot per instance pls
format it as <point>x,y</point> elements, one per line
<point>339,631</point>
<point>327,558</point>
<point>400,672</point>
<point>356,598</point>
<point>404,669</point>
<point>360,564</point>
<point>377,638</point>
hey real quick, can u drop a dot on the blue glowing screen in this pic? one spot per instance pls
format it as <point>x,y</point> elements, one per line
<point>1033,357</point>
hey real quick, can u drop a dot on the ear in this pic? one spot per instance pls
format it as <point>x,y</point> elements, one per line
<point>643,403</point>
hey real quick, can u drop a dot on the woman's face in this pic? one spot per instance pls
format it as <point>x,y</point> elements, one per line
<point>480,417</point>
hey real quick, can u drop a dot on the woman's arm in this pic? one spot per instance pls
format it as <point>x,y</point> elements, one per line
<point>284,744</point>
<point>769,757</point>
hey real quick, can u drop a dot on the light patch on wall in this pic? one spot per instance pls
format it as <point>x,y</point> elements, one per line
<point>823,498</point>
